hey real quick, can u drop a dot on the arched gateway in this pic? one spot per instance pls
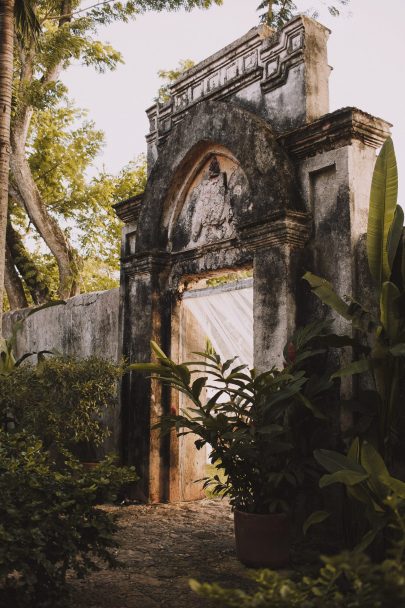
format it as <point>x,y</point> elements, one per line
<point>246,171</point>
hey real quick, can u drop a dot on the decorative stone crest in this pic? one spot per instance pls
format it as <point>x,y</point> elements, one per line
<point>213,218</point>
<point>207,213</point>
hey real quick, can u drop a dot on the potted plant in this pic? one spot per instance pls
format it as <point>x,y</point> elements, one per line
<point>250,423</point>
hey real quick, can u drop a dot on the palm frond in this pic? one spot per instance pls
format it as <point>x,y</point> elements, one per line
<point>26,20</point>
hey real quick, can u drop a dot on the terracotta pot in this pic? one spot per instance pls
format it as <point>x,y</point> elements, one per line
<point>262,541</point>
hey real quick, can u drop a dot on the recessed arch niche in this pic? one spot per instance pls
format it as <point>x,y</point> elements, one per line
<point>206,206</point>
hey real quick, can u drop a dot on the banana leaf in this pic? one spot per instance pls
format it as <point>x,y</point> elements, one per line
<point>395,234</point>
<point>325,292</point>
<point>383,201</point>
<point>389,310</point>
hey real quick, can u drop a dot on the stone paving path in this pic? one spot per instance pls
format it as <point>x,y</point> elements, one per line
<point>163,546</point>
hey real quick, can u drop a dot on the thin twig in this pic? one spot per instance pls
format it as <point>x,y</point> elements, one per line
<point>82,10</point>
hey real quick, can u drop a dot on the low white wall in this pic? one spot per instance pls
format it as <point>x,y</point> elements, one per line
<point>86,325</point>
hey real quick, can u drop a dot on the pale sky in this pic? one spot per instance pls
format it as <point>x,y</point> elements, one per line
<point>366,50</point>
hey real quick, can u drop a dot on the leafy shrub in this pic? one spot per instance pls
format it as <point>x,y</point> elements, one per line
<point>260,427</point>
<point>61,400</point>
<point>347,580</point>
<point>49,521</point>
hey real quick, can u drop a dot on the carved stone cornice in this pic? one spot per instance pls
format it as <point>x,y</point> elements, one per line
<point>145,263</point>
<point>261,56</point>
<point>280,228</point>
<point>128,210</point>
<point>335,130</point>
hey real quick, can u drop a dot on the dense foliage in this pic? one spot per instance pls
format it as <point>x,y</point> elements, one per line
<point>349,579</point>
<point>62,400</point>
<point>49,521</point>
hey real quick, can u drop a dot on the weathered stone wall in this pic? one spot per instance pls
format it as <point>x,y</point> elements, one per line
<point>86,325</point>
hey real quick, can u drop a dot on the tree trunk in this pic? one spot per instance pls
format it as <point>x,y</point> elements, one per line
<point>6,81</point>
<point>33,279</point>
<point>13,284</point>
<point>24,183</point>
<point>45,224</point>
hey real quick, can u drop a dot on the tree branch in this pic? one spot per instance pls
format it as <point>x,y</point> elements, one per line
<point>13,284</point>
<point>82,10</point>
<point>33,279</point>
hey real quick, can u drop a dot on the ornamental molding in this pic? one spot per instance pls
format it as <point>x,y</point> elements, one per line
<point>280,228</point>
<point>128,211</point>
<point>335,130</point>
<point>145,263</point>
<point>261,56</point>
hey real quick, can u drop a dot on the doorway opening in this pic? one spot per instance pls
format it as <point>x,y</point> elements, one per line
<point>218,310</point>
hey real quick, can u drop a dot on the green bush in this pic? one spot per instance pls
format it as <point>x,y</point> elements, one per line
<point>49,521</point>
<point>347,580</point>
<point>61,400</point>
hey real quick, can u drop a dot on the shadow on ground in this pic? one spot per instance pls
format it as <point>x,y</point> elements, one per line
<point>162,547</point>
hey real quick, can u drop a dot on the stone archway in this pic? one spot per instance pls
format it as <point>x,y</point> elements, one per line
<point>221,196</point>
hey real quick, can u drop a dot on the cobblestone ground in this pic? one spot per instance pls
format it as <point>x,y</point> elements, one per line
<point>163,546</point>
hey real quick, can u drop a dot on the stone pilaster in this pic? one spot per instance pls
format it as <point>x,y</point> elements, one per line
<point>278,245</point>
<point>146,317</point>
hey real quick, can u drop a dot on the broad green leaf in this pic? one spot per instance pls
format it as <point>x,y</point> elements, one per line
<point>316,517</point>
<point>154,368</point>
<point>197,386</point>
<point>157,350</point>
<point>354,450</point>
<point>375,466</point>
<point>361,494</point>
<point>383,201</point>
<point>403,260</point>
<point>367,539</point>
<point>397,486</point>
<point>334,461</point>
<point>372,461</point>
<point>348,478</point>
<point>389,311</point>
<point>183,372</point>
<point>325,292</point>
<point>356,367</point>
<point>394,235</point>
